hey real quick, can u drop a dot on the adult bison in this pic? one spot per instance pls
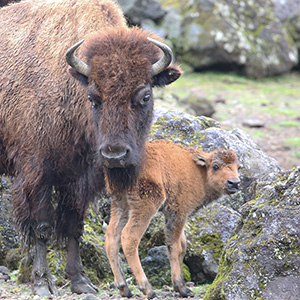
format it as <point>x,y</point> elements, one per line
<point>58,130</point>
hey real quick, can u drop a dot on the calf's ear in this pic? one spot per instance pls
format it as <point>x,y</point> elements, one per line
<point>199,160</point>
<point>169,75</point>
<point>81,78</point>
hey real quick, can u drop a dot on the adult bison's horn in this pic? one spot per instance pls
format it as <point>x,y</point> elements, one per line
<point>165,61</point>
<point>75,62</point>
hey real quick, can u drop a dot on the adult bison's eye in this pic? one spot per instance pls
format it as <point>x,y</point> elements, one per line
<point>95,100</point>
<point>142,96</point>
<point>146,98</point>
<point>215,167</point>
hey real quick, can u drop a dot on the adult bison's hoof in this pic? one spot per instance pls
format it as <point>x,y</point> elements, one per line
<point>44,287</point>
<point>83,286</point>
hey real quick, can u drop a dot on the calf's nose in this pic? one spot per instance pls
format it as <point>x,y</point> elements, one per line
<point>233,184</point>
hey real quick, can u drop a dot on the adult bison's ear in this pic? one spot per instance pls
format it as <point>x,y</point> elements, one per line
<point>200,160</point>
<point>80,77</point>
<point>169,75</point>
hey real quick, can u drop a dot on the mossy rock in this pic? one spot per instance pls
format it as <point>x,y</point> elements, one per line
<point>25,268</point>
<point>240,35</point>
<point>154,235</point>
<point>12,259</point>
<point>93,256</point>
<point>207,232</point>
<point>265,247</point>
<point>9,238</point>
<point>157,267</point>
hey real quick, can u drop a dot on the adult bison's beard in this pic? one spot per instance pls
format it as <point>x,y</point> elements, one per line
<point>121,179</point>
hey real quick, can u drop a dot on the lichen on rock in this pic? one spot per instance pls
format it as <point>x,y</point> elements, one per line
<point>266,243</point>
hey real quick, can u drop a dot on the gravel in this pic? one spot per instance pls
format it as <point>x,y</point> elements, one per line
<point>9,289</point>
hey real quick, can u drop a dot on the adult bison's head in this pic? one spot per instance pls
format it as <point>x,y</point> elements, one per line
<point>121,67</point>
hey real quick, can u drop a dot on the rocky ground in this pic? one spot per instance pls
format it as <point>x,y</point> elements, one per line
<point>11,290</point>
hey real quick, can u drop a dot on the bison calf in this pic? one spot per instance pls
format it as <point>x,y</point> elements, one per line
<point>176,181</point>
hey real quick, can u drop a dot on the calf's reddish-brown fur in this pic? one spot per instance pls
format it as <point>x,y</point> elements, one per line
<point>53,129</point>
<point>177,181</point>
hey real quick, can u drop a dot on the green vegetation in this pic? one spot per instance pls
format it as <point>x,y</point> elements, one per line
<point>294,141</point>
<point>276,95</point>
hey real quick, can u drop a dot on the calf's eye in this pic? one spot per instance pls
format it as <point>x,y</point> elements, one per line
<point>215,167</point>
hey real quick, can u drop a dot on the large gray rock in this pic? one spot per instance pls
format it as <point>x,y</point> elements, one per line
<point>288,13</point>
<point>262,259</point>
<point>139,10</point>
<point>157,266</point>
<point>207,232</point>
<point>286,9</point>
<point>259,38</point>
<point>246,35</point>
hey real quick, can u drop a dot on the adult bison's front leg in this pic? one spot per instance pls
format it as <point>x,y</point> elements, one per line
<point>80,283</point>
<point>70,226</point>
<point>42,225</point>
<point>42,282</point>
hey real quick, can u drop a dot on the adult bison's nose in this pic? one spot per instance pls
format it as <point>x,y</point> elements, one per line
<point>114,156</point>
<point>233,185</point>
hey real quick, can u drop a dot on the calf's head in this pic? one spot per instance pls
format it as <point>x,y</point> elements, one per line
<point>222,171</point>
<point>121,67</point>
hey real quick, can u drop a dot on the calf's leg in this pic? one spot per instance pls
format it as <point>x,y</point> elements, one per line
<point>139,218</point>
<point>118,219</point>
<point>176,244</point>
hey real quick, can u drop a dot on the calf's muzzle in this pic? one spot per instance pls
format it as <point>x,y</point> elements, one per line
<point>233,185</point>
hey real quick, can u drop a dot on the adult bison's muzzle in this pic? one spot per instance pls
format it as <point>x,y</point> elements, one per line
<point>117,156</point>
<point>120,163</point>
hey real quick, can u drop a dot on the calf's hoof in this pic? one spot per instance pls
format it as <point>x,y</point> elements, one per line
<point>151,295</point>
<point>185,292</point>
<point>83,285</point>
<point>125,291</point>
<point>146,288</point>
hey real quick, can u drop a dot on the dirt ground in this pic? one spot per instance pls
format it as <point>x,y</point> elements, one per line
<point>272,139</point>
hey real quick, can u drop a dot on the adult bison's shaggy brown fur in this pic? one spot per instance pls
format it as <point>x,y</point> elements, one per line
<point>177,181</point>
<point>52,135</point>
